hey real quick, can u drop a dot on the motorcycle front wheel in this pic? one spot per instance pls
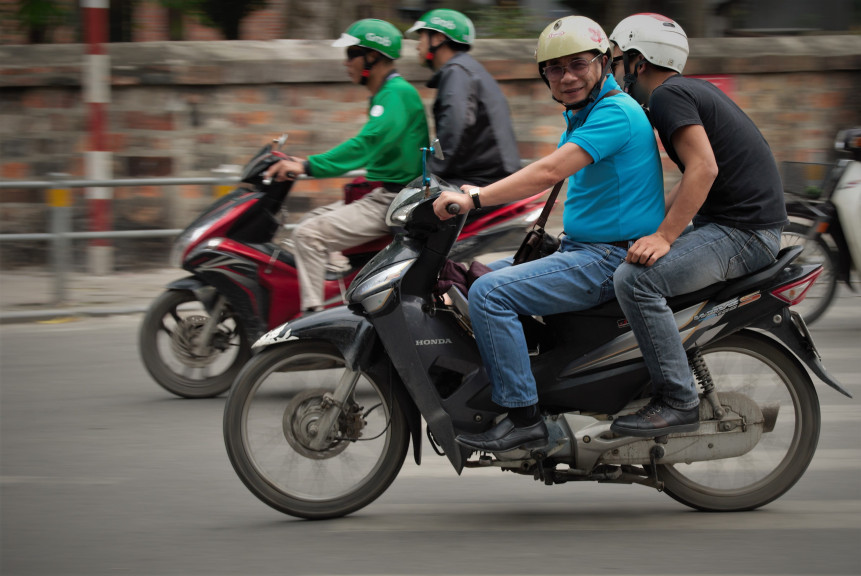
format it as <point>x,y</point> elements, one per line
<point>768,373</point>
<point>274,439</point>
<point>168,341</point>
<point>816,251</point>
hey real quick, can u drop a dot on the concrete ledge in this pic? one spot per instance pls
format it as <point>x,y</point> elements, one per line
<point>316,61</point>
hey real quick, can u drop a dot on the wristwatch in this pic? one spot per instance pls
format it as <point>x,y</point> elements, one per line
<point>473,193</point>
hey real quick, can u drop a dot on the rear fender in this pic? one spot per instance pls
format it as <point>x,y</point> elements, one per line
<point>789,328</point>
<point>357,341</point>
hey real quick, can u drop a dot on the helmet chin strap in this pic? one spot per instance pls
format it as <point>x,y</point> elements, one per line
<point>366,71</point>
<point>431,53</point>
<point>630,78</point>
<point>630,83</point>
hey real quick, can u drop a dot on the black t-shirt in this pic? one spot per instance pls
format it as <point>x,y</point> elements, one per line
<point>747,192</point>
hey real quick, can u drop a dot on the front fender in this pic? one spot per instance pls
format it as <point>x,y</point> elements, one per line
<point>204,292</point>
<point>351,333</point>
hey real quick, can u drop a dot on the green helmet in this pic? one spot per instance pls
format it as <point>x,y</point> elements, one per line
<point>456,26</point>
<point>374,34</point>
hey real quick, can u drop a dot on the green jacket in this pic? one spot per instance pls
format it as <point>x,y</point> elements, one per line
<point>388,144</point>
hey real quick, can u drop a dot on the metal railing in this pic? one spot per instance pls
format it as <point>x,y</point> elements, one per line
<point>58,187</point>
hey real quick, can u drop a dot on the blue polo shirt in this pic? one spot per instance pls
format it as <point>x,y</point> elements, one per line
<point>620,196</point>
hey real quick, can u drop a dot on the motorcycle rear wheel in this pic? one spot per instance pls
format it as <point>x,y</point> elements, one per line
<point>167,338</point>
<point>817,251</point>
<point>765,371</point>
<point>270,424</point>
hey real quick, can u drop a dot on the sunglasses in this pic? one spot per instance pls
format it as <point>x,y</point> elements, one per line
<point>354,52</point>
<point>576,67</point>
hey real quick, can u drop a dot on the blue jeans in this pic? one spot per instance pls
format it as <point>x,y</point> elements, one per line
<point>701,256</point>
<point>577,277</point>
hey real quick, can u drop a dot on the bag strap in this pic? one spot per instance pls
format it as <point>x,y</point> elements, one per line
<point>551,200</point>
<point>548,206</point>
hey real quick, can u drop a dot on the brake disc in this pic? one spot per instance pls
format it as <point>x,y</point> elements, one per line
<point>300,421</point>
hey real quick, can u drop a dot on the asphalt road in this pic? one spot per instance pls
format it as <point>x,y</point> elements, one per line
<point>102,472</point>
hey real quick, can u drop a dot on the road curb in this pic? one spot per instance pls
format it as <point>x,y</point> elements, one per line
<point>67,313</point>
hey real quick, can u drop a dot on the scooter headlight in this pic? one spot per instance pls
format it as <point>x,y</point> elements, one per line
<point>378,285</point>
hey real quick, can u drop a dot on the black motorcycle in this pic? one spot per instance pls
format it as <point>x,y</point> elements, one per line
<point>319,421</point>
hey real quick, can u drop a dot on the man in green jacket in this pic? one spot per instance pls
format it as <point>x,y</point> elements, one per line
<point>387,147</point>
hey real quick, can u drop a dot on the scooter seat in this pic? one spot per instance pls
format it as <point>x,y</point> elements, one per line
<point>719,291</point>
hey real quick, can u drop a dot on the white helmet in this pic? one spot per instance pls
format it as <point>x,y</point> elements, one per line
<point>659,39</point>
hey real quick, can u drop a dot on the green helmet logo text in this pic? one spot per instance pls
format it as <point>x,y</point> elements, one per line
<point>382,40</point>
<point>444,23</point>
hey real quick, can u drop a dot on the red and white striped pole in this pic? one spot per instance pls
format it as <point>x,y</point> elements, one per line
<point>98,163</point>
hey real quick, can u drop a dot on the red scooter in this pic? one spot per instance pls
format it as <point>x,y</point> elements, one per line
<point>196,336</point>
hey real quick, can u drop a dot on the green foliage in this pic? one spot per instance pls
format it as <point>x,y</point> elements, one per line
<point>38,17</point>
<point>40,13</point>
<point>502,22</point>
<point>226,15</point>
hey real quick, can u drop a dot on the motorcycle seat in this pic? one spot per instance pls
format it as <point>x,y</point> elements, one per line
<point>357,259</point>
<point>720,291</point>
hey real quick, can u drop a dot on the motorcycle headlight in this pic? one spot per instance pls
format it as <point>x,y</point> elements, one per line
<point>379,285</point>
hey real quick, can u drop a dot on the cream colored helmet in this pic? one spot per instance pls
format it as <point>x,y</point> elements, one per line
<point>659,39</point>
<point>570,35</point>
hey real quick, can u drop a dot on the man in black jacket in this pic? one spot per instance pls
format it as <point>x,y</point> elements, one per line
<point>473,122</point>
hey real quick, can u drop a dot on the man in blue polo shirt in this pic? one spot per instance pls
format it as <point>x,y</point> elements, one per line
<point>615,196</point>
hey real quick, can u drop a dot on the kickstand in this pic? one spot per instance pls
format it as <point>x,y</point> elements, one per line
<point>539,456</point>
<point>657,452</point>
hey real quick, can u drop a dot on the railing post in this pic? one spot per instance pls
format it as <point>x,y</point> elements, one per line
<point>98,163</point>
<point>60,202</point>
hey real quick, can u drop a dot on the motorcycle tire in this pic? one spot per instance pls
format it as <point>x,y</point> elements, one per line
<point>817,251</point>
<point>167,339</point>
<point>766,371</point>
<point>270,424</point>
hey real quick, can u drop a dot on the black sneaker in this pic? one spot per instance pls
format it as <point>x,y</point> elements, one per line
<point>657,419</point>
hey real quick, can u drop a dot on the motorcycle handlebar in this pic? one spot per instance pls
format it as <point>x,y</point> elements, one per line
<point>453,209</point>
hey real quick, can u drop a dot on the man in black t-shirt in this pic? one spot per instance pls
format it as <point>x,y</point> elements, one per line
<point>730,193</point>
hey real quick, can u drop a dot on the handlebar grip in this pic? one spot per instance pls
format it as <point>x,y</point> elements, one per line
<point>453,208</point>
<point>267,181</point>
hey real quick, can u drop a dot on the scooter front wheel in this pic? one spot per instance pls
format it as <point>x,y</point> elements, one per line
<point>181,355</point>
<point>279,442</point>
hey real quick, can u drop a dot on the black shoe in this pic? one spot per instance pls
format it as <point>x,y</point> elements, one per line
<point>505,436</point>
<point>657,419</point>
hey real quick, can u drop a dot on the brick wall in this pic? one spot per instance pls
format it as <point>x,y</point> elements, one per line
<point>182,109</point>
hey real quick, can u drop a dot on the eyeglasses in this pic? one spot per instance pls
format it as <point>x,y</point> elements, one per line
<point>577,67</point>
<point>354,52</point>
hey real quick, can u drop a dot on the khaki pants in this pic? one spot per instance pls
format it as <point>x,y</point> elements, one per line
<point>334,228</point>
